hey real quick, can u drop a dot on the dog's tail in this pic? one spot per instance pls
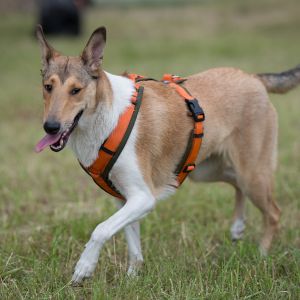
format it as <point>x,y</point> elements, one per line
<point>281,83</point>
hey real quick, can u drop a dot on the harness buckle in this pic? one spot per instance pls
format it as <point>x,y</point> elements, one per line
<point>195,109</point>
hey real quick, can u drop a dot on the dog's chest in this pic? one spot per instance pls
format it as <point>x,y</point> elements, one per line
<point>84,147</point>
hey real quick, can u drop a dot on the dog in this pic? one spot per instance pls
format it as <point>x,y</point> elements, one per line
<point>83,104</point>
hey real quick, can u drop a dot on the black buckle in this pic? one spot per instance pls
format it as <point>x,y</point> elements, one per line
<point>195,109</point>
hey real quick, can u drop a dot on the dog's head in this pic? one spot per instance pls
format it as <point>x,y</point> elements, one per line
<point>69,87</point>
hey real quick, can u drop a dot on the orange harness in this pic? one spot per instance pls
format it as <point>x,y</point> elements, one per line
<point>114,144</point>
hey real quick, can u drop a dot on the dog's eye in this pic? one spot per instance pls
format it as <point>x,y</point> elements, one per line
<point>48,87</point>
<point>75,91</point>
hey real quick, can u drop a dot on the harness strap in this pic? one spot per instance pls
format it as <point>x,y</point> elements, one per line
<point>113,146</point>
<point>187,163</point>
<point>167,78</point>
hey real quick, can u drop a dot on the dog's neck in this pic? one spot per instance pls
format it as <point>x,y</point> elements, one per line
<point>94,128</point>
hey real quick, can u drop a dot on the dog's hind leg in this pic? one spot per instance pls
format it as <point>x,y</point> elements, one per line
<point>213,169</point>
<point>253,156</point>
<point>260,193</point>
<point>238,225</point>
<point>256,183</point>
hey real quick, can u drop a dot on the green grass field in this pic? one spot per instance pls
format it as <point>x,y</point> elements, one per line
<point>49,207</point>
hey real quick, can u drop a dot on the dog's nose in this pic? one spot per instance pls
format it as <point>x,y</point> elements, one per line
<point>52,127</point>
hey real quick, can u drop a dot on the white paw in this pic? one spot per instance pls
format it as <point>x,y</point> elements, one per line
<point>84,269</point>
<point>237,229</point>
<point>132,271</point>
<point>87,263</point>
<point>134,268</point>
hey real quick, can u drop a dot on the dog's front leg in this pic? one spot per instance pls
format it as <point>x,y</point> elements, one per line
<point>136,207</point>
<point>132,234</point>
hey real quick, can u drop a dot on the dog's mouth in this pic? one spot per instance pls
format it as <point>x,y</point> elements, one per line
<point>58,141</point>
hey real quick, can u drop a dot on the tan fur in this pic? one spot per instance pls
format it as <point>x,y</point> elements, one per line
<point>163,132</point>
<point>240,131</point>
<point>64,73</point>
<point>61,105</point>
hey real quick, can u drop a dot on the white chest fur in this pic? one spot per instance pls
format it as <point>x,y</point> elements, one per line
<point>93,129</point>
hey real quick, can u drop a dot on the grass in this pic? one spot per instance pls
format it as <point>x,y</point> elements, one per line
<point>49,206</point>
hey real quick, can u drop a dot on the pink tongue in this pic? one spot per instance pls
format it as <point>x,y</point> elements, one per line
<point>47,140</point>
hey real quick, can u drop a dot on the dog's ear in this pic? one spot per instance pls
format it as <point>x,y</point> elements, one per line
<point>47,51</point>
<point>92,54</point>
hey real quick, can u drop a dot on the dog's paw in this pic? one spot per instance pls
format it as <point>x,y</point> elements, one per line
<point>134,268</point>
<point>132,272</point>
<point>84,269</point>
<point>237,229</point>
<point>87,263</point>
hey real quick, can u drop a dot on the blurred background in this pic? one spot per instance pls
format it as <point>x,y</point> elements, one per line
<point>48,206</point>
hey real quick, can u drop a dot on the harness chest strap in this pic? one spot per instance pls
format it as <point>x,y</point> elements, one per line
<point>114,144</point>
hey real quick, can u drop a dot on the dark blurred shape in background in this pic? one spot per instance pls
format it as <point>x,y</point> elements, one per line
<point>61,17</point>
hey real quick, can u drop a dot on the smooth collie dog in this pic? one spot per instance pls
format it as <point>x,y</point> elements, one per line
<point>83,104</point>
